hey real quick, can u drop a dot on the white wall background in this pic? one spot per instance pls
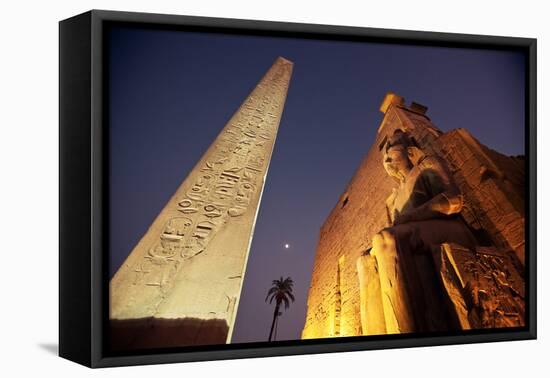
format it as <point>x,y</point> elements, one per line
<point>29,186</point>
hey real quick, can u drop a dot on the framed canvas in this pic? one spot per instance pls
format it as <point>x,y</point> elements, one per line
<point>235,188</point>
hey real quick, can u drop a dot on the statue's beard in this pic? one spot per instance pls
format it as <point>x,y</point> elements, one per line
<point>392,171</point>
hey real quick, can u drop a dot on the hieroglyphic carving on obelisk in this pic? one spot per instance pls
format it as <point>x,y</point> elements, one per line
<point>190,263</point>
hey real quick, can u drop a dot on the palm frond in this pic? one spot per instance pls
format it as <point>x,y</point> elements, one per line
<point>290,295</point>
<point>285,301</point>
<point>270,292</point>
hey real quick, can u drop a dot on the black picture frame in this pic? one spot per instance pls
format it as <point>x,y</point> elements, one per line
<point>83,197</point>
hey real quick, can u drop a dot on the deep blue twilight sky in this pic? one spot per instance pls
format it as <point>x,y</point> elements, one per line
<point>171,92</point>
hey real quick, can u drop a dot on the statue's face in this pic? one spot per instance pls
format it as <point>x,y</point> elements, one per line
<point>396,162</point>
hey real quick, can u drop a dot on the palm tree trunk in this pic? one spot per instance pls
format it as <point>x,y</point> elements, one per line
<point>275,314</point>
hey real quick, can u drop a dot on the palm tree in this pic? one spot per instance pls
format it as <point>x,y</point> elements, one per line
<point>281,292</point>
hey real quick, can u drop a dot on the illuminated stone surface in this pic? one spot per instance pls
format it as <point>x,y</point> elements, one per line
<point>357,290</point>
<point>486,289</point>
<point>181,283</point>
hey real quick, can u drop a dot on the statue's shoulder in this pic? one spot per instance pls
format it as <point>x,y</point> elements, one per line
<point>431,162</point>
<point>436,170</point>
<point>422,160</point>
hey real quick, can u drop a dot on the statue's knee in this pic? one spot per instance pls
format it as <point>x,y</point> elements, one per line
<point>360,264</point>
<point>383,239</point>
<point>377,242</point>
<point>389,239</point>
<point>383,243</point>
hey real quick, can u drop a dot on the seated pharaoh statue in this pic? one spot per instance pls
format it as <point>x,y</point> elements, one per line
<point>426,271</point>
<point>423,213</point>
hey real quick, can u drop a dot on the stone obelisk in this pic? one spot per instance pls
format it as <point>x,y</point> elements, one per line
<point>181,283</point>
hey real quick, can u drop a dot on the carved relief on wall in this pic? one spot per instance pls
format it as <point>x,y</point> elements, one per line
<point>484,286</point>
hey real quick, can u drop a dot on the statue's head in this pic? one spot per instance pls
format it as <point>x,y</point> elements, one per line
<point>397,155</point>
